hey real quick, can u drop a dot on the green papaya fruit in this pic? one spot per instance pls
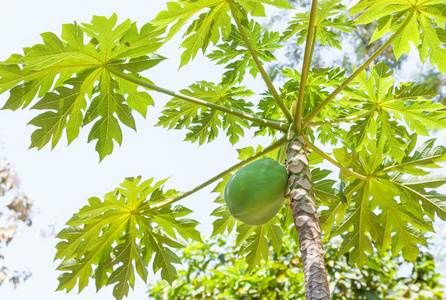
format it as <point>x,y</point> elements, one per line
<point>255,193</point>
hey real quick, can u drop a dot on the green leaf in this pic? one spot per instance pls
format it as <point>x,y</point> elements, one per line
<point>124,255</point>
<point>419,114</point>
<point>247,152</point>
<point>224,219</point>
<point>256,246</point>
<point>364,222</point>
<point>204,123</point>
<point>425,30</point>
<point>165,218</point>
<point>395,218</point>
<point>109,239</point>
<point>256,6</point>
<point>68,104</point>
<point>323,188</point>
<point>425,156</point>
<point>244,231</point>
<point>210,26</point>
<point>74,82</point>
<point>107,129</point>
<point>235,51</point>
<point>275,235</point>
<point>387,105</point>
<point>413,191</point>
<point>394,206</point>
<point>254,241</point>
<point>328,23</point>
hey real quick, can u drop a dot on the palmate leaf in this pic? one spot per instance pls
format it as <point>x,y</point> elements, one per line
<point>109,239</point>
<point>425,156</point>
<point>74,82</point>
<point>204,123</point>
<point>328,22</point>
<point>388,106</point>
<point>234,50</point>
<point>329,196</point>
<point>211,25</point>
<point>425,30</point>
<point>224,221</point>
<point>386,209</point>
<point>365,226</point>
<point>256,246</point>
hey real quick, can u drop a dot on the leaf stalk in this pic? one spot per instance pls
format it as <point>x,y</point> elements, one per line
<point>273,146</point>
<point>281,126</point>
<point>309,47</point>
<point>265,76</point>
<point>340,120</point>
<point>334,162</point>
<point>313,114</point>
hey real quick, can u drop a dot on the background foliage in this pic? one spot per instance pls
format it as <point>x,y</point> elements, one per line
<point>214,271</point>
<point>15,210</point>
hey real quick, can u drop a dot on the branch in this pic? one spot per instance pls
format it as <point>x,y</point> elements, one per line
<point>327,157</point>
<point>297,123</point>
<point>340,120</point>
<point>275,145</point>
<point>313,114</point>
<point>281,126</point>
<point>265,76</point>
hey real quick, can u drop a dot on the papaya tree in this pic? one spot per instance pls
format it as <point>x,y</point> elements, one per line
<point>384,198</point>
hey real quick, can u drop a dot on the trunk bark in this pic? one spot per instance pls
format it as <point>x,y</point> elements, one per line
<point>306,220</point>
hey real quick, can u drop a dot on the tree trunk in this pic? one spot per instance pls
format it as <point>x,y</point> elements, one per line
<point>306,221</point>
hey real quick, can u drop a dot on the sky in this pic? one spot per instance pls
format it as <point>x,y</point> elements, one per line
<point>61,180</point>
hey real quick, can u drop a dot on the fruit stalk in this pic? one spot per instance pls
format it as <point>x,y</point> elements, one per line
<point>305,217</point>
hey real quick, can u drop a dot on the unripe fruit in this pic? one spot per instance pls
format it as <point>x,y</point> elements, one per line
<point>255,193</point>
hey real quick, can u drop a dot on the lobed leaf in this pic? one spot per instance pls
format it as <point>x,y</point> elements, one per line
<point>110,239</point>
<point>235,51</point>
<point>393,207</point>
<point>425,29</point>
<point>330,20</point>
<point>211,25</point>
<point>204,123</point>
<point>384,105</point>
<point>75,83</point>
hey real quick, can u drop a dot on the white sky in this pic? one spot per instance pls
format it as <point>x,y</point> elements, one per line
<point>60,181</point>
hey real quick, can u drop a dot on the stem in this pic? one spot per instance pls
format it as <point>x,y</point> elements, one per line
<point>340,120</point>
<point>306,220</point>
<point>297,123</point>
<point>275,145</point>
<point>327,157</point>
<point>313,114</point>
<point>265,76</point>
<point>281,126</point>
<point>313,43</point>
